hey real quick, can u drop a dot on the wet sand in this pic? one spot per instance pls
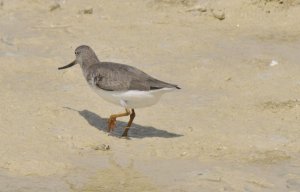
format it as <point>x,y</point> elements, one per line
<point>234,125</point>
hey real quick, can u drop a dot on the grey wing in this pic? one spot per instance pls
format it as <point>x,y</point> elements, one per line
<point>157,84</point>
<point>139,80</point>
<point>117,77</point>
<point>150,83</point>
<point>110,82</point>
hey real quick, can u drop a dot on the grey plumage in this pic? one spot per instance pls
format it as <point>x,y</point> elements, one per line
<point>114,76</point>
<point>119,77</point>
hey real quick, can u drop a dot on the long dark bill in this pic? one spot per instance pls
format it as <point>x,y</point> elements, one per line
<point>67,66</point>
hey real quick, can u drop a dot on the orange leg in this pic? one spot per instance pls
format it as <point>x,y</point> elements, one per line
<point>113,118</point>
<point>132,115</point>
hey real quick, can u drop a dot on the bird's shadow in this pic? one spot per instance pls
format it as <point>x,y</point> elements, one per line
<point>135,131</point>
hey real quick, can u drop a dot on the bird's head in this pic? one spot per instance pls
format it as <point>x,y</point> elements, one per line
<point>85,56</point>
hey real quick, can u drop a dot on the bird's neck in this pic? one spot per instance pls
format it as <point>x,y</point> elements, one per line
<point>85,63</point>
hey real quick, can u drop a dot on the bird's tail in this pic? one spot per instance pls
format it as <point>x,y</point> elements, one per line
<point>157,84</point>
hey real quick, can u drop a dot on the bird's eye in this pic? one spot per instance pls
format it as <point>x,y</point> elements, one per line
<point>76,52</point>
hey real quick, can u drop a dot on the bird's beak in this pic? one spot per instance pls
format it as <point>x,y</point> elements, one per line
<point>67,66</point>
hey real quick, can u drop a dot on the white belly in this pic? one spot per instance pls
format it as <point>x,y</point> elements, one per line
<point>133,98</point>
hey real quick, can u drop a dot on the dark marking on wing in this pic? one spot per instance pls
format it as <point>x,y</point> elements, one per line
<point>154,88</point>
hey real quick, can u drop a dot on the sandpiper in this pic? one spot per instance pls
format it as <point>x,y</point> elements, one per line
<point>120,84</point>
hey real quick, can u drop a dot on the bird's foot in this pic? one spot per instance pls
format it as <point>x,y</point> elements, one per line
<point>124,135</point>
<point>111,124</point>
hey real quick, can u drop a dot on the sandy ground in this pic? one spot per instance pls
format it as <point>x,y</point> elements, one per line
<point>234,126</point>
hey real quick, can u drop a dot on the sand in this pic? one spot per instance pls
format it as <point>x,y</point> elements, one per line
<point>234,125</point>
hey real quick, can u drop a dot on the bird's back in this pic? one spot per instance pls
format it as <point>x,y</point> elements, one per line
<point>118,77</point>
